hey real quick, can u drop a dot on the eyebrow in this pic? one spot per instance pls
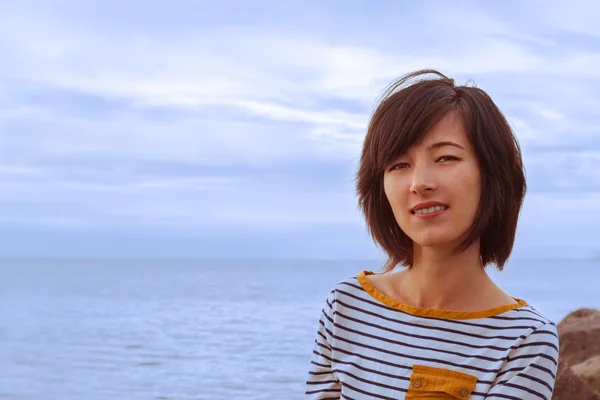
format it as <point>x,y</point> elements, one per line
<point>442,144</point>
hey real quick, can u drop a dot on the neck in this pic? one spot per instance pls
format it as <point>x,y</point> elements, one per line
<point>458,280</point>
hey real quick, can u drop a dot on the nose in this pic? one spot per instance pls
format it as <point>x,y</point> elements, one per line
<point>422,180</point>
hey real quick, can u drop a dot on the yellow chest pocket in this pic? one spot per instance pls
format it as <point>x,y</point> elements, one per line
<point>439,383</point>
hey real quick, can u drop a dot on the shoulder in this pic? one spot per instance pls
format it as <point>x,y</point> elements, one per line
<point>345,290</point>
<point>528,312</point>
<point>537,326</point>
<point>349,284</point>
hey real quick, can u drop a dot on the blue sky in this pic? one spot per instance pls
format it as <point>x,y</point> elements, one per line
<point>233,129</point>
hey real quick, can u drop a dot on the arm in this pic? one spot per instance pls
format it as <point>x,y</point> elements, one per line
<point>530,370</point>
<point>322,382</point>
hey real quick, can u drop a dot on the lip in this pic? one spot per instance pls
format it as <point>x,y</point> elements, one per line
<point>430,215</point>
<point>427,205</point>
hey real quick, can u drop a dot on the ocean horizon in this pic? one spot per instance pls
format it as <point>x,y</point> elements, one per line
<point>199,329</point>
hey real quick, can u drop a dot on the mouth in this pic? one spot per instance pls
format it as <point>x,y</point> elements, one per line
<point>429,211</point>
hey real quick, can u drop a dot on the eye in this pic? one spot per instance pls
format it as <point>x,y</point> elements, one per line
<point>399,166</point>
<point>449,158</point>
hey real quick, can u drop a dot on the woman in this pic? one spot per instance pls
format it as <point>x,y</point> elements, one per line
<point>441,184</point>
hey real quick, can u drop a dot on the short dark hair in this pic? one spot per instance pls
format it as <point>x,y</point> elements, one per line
<point>406,112</point>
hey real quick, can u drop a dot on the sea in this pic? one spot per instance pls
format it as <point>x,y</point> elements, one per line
<point>210,330</point>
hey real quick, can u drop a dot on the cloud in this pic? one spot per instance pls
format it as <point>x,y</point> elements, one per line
<point>110,123</point>
<point>19,171</point>
<point>579,17</point>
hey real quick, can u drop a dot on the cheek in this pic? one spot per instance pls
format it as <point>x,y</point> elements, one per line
<point>387,188</point>
<point>467,178</point>
<point>397,197</point>
<point>392,191</point>
<point>470,187</point>
<point>475,185</point>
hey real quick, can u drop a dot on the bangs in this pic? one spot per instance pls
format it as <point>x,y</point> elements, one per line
<point>402,121</point>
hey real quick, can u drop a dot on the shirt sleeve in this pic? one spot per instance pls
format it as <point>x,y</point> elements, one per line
<point>322,382</point>
<point>530,369</point>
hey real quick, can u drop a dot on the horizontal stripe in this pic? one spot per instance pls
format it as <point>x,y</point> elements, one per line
<point>322,382</point>
<point>372,359</point>
<point>405,344</point>
<point>425,337</point>
<point>370,394</point>
<point>502,396</point>
<point>365,349</point>
<point>421,325</point>
<point>538,355</point>
<point>323,391</point>
<point>531,378</point>
<point>417,359</point>
<point>524,389</point>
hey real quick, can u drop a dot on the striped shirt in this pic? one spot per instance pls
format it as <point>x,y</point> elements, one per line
<point>369,346</point>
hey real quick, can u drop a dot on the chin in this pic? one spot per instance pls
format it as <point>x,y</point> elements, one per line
<point>432,244</point>
<point>434,240</point>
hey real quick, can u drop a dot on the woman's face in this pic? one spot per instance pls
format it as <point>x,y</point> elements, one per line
<point>441,172</point>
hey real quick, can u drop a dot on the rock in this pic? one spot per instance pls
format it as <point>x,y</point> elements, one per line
<point>570,386</point>
<point>589,371</point>
<point>579,336</point>
<point>578,376</point>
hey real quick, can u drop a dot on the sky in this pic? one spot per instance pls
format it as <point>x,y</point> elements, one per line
<point>232,129</point>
